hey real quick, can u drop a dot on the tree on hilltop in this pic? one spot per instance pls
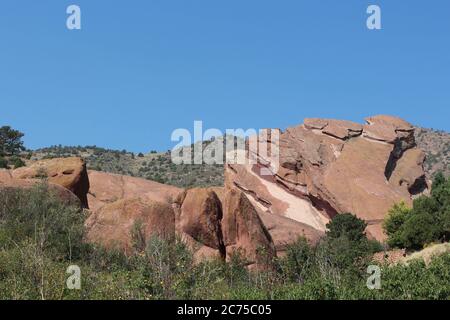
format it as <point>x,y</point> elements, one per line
<point>10,141</point>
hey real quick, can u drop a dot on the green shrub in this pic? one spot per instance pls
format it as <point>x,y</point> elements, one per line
<point>40,236</point>
<point>346,245</point>
<point>10,141</point>
<point>17,162</point>
<point>347,225</point>
<point>3,163</point>
<point>298,260</point>
<point>393,223</point>
<point>428,221</point>
<point>39,215</point>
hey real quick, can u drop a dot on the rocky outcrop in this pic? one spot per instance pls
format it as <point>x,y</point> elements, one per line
<point>123,208</point>
<point>69,173</point>
<point>312,173</point>
<point>66,177</point>
<point>212,221</point>
<point>327,167</point>
<point>219,223</point>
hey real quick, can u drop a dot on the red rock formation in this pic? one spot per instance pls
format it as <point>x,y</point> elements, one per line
<point>213,226</point>
<point>108,187</point>
<point>198,222</point>
<point>113,224</point>
<point>243,230</point>
<point>332,166</point>
<point>69,173</point>
<point>285,231</point>
<point>326,167</point>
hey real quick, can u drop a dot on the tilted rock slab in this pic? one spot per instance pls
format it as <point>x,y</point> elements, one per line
<point>327,167</point>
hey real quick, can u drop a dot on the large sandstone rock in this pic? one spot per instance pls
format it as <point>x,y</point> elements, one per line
<point>327,167</point>
<point>69,173</point>
<point>120,203</point>
<point>107,188</point>
<point>198,221</point>
<point>113,225</point>
<point>218,223</point>
<point>243,230</point>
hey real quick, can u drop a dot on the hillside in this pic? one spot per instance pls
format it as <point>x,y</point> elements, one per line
<point>157,166</point>
<point>436,145</point>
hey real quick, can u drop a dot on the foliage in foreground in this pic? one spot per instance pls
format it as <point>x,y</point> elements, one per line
<point>40,237</point>
<point>426,222</point>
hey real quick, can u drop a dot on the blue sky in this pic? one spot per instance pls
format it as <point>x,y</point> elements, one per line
<point>139,69</point>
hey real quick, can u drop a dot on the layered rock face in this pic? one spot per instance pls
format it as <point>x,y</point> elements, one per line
<point>327,167</point>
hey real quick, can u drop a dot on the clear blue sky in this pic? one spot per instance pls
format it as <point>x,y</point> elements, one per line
<point>139,69</point>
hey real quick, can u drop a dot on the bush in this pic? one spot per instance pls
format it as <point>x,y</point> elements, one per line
<point>346,245</point>
<point>38,215</point>
<point>3,163</point>
<point>428,221</point>
<point>167,267</point>
<point>298,260</point>
<point>394,221</point>
<point>347,225</point>
<point>17,162</point>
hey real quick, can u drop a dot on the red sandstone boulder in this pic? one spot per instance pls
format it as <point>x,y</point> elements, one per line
<point>113,225</point>
<point>107,188</point>
<point>243,230</point>
<point>69,173</point>
<point>198,221</point>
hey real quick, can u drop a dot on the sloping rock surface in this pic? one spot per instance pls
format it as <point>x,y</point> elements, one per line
<point>326,167</point>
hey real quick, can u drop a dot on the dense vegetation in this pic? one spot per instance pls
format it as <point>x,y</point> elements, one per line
<point>426,222</point>
<point>40,236</point>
